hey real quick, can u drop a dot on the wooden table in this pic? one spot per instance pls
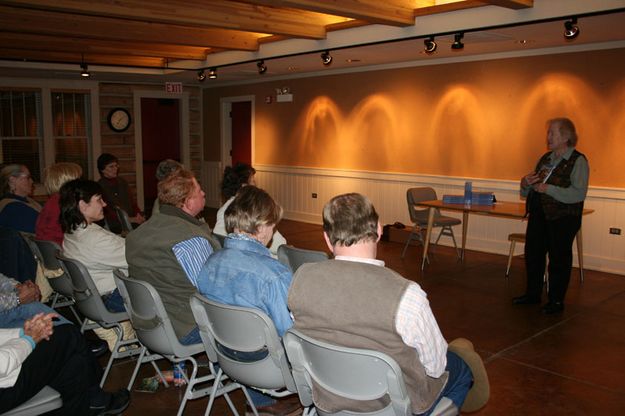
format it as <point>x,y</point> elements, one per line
<point>503,209</point>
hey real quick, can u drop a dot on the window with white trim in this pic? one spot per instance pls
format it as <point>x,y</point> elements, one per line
<point>71,128</point>
<point>21,135</point>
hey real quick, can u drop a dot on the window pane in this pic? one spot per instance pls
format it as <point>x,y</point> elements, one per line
<point>72,128</point>
<point>20,129</point>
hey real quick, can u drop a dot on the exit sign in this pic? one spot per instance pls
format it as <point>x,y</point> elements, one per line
<point>173,87</point>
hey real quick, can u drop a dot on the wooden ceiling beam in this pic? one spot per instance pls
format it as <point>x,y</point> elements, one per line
<point>427,7</point>
<point>206,14</point>
<point>27,41</point>
<point>77,58</point>
<point>511,4</point>
<point>387,12</point>
<point>62,24</point>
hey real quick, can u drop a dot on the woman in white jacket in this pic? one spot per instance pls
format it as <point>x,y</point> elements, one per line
<point>39,355</point>
<point>234,179</point>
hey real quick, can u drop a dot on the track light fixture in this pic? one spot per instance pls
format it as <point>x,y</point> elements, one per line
<point>262,68</point>
<point>85,70</point>
<point>201,76</point>
<point>458,45</point>
<point>571,30</point>
<point>212,73</point>
<point>429,45</point>
<point>326,58</point>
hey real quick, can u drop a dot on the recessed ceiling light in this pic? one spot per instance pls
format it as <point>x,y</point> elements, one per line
<point>525,41</point>
<point>352,60</point>
<point>293,68</point>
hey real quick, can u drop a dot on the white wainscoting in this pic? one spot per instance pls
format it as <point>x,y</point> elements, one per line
<point>211,183</point>
<point>293,187</point>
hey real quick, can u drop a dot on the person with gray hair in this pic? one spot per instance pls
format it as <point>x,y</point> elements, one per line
<point>555,192</point>
<point>18,210</point>
<point>163,170</point>
<point>355,301</point>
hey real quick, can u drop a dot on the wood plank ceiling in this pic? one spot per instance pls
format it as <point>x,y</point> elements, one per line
<point>160,33</point>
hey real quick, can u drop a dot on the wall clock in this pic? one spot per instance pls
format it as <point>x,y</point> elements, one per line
<point>119,119</point>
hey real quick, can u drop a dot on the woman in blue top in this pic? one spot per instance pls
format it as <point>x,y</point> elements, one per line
<point>17,210</point>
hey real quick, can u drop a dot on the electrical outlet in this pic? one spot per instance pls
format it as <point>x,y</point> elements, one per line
<point>615,231</point>
<point>314,195</point>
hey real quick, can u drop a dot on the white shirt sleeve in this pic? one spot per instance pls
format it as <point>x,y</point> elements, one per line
<point>416,325</point>
<point>13,352</point>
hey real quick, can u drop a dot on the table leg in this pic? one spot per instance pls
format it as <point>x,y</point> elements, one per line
<point>580,254</point>
<point>428,234</point>
<point>465,226</point>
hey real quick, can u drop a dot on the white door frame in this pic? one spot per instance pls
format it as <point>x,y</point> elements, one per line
<point>225,104</point>
<point>185,141</point>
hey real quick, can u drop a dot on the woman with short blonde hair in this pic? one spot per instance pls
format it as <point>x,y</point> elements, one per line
<point>48,226</point>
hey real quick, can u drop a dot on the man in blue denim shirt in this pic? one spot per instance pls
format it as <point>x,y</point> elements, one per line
<point>245,274</point>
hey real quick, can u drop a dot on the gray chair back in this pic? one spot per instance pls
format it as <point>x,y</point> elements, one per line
<point>245,330</point>
<point>150,319</point>
<point>416,195</point>
<point>63,283</point>
<point>124,219</point>
<point>295,257</point>
<point>45,401</point>
<point>351,373</point>
<point>86,295</point>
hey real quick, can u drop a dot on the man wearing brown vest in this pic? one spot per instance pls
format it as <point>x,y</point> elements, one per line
<point>355,301</point>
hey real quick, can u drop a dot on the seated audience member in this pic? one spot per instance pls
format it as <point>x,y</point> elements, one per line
<point>48,226</point>
<point>355,301</point>
<point>234,179</point>
<point>170,248</point>
<point>99,250</point>
<point>19,302</point>
<point>116,193</point>
<point>16,259</point>
<point>17,210</point>
<point>245,274</point>
<point>40,355</point>
<point>163,170</point>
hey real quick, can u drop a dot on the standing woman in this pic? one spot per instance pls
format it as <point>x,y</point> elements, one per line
<point>555,193</point>
<point>48,226</point>
<point>17,210</point>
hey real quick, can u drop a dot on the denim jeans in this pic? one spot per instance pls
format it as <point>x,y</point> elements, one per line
<point>259,399</point>
<point>114,301</point>
<point>459,382</point>
<point>15,318</point>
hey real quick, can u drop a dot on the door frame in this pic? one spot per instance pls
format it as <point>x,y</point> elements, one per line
<point>185,140</point>
<point>225,143</point>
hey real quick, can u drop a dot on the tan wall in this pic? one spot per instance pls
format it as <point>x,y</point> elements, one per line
<point>477,119</point>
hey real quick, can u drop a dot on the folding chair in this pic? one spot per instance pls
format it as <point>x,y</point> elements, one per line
<point>295,257</point>
<point>90,304</point>
<point>246,345</point>
<point>352,374</point>
<point>154,329</point>
<point>45,401</point>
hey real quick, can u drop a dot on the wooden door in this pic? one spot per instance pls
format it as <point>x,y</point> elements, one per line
<point>160,127</point>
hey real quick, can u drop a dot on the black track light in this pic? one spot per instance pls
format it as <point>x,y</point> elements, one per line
<point>262,68</point>
<point>429,45</point>
<point>85,70</point>
<point>212,73</point>
<point>571,30</point>
<point>326,58</point>
<point>201,76</point>
<point>458,45</point>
